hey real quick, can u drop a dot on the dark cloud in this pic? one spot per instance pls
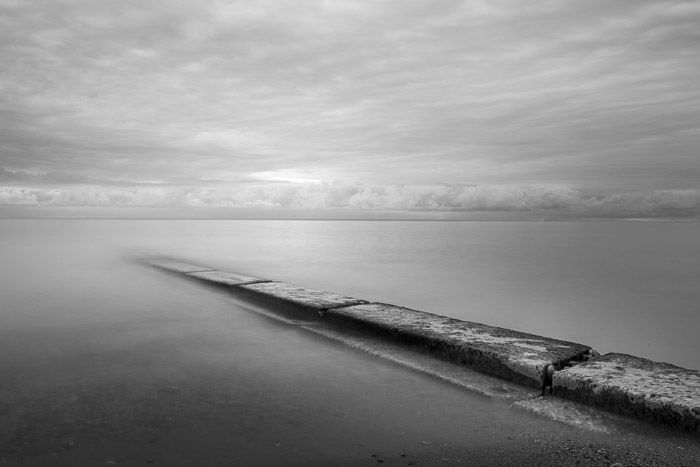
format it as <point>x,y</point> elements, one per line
<point>594,96</point>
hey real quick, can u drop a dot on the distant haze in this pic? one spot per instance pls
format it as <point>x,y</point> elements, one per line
<point>569,107</point>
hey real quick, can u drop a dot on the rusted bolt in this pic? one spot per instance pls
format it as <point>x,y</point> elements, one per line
<point>548,376</point>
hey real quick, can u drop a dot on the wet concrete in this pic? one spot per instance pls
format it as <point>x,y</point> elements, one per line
<point>512,355</point>
<point>225,278</point>
<point>178,266</point>
<point>301,296</point>
<point>635,386</point>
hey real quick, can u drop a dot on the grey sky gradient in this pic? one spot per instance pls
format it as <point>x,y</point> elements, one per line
<point>370,104</point>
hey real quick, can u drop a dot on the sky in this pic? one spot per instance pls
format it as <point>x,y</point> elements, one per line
<point>568,106</point>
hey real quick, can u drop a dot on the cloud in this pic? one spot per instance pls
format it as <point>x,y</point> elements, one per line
<point>12,177</point>
<point>554,199</point>
<point>383,92</point>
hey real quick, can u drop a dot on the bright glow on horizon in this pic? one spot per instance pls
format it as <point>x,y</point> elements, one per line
<point>291,176</point>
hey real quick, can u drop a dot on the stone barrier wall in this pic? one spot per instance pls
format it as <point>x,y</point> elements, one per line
<point>621,383</point>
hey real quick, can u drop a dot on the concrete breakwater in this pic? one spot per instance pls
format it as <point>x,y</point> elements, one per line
<point>616,382</point>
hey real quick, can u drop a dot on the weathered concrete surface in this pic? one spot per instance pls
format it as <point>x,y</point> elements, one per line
<point>178,266</point>
<point>225,278</point>
<point>635,386</point>
<point>618,382</point>
<point>513,355</point>
<point>300,296</point>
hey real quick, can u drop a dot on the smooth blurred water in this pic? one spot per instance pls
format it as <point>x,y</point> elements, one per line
<point>106,360</point>
<point>618,286</point>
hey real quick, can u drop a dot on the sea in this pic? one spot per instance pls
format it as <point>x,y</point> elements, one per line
<point>615,285</point>
<point>107,361</point>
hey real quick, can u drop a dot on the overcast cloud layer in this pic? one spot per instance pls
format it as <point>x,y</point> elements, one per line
<point>499,105</point>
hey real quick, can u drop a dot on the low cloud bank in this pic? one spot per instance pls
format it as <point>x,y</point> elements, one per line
<point>553,198</point>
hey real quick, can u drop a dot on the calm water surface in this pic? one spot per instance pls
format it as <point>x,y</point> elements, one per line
<point>617,286</point>
<point>103,360</point>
